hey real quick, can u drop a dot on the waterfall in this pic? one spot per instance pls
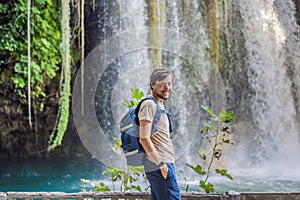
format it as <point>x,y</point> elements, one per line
<point>260,76</point>
<point>270,140</point>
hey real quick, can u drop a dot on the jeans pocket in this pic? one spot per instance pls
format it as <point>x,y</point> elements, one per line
<point>170,171</point>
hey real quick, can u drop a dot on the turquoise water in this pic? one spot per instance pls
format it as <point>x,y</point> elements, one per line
<point>242,184</point>
<point>64,175</point>
<point>47,174</point>
<point>252,183</point>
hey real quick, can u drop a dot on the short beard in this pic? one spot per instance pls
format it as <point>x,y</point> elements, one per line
<point>163,98</point>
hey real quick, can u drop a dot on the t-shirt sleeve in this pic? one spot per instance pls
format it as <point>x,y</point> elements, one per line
<point>147,110</point>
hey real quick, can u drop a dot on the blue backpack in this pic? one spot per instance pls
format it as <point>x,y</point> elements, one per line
<point>134,153</point>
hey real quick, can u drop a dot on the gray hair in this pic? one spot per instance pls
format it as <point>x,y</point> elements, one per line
<point>159,74</point>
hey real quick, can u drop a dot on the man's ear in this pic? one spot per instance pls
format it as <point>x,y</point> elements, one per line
<point>151,85</point>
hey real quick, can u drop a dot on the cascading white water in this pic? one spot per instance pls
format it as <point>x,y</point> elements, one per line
<point>271,44</point>
<point>136,66</point>
<point>267,142</point>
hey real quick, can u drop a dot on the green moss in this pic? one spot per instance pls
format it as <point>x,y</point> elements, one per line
<point>56,140</point>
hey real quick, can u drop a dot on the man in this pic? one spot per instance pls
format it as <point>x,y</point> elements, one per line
<point>159,165</point>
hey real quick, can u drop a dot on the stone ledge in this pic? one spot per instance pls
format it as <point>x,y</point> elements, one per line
<point>230,195</point>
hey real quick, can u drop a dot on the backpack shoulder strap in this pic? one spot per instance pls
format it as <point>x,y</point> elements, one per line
<point>140,103</point>
<point>156,116</point>
<point>170,124</point>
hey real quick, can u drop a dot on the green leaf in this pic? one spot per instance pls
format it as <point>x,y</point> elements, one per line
<point>101,188</point>
<point>208,188</point>
<point>208,110</point>
<point>202,156</point>
<point>226,116</point>
<point>136,187</point>
<point>18,81</point>
<point>223,172</point>
<point>205,129</point>
<point>20,69</point>
<point>84,180</point>
<point>136,169</point>
<point>128,103</point>
<point>226,141</point>
<point>197,169</point>
<point>42,105</point>
<point>137,94</point>
<point>118,143</point>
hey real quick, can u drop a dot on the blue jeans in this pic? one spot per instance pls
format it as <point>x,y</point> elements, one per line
<point>164,189</point>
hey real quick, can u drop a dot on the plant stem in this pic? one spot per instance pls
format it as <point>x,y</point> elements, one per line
<point>213,152</point>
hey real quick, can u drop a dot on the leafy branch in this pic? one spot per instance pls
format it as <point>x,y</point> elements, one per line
<point>127,177</point>
<point>137,95</point>
<point>216,135</point>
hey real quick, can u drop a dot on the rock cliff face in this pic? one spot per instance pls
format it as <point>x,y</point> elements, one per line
<point>297,2</point>
<point>17,139</point>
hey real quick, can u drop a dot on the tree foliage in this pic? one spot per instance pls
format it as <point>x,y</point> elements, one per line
<point>45,55</point>
<point>137,95</point>
<point>49,53</point>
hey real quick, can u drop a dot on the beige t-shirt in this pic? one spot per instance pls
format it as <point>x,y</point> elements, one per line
<point>161,138</point>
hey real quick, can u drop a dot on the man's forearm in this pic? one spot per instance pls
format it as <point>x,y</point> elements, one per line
<point>150,150</point>
<point>145,133</point>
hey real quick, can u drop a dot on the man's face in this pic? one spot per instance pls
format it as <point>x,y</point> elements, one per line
<point>162,89</point>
